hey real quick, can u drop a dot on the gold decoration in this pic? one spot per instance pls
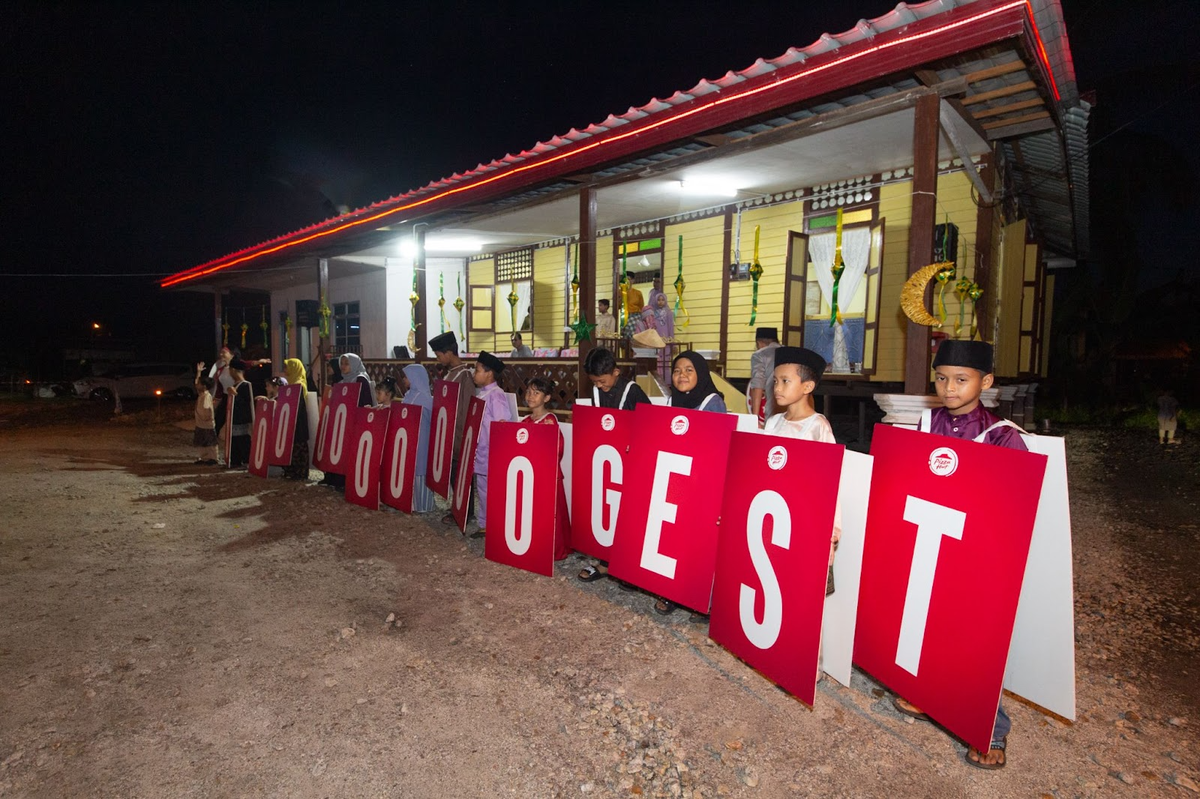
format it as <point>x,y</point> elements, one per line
<point>326,312</point>
<point>756,271</point>
<point>912,295</point>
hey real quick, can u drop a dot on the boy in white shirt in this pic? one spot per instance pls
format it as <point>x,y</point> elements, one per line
<point>797,373</point>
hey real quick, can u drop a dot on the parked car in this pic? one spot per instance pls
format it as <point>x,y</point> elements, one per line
<point>139,380</point>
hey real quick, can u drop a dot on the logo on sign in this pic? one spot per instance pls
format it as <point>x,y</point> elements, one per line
<point>777,458</point>
<point>943,461</point>
<point>345,390</point>
<point>679,425</point>
<point>444,390</point>
<point>371,416</point>
<point>404,413</point>
<point>607,422</point>
<point>522,436</point>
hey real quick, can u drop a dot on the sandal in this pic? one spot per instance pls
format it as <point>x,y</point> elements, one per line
<point>664,607</point>
<point>997,746</point>
<point>907,708</point>
<point>590,574</point>
<point>478,533</point>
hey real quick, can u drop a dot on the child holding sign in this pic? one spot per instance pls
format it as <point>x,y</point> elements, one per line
<point>495,409</point>
<point>537,395</point>
<point>609,389</point>
<point>962,372</point>
<point>243,415</point>
<point>797,374</point>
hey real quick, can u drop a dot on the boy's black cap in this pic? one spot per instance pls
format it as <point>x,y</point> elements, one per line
<point>446,342</point>
<point>491,362</point>
<point>771,333</point>
<point>971,354</point>
<point>802,356</point>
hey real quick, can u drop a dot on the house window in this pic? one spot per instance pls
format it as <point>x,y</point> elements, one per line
<point>346,328</point>
<point>514,271</point>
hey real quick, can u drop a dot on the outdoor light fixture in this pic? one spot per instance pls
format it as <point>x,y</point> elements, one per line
<point>712,188</point>
<point>408,247</point>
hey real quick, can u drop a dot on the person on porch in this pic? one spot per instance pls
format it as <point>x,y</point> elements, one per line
<point>759,399</point>
<point>606,323</point>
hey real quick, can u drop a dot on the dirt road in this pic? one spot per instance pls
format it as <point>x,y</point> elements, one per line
<point>173,630</point>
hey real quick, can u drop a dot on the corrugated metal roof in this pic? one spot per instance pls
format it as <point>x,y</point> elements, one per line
<point>1047,13</point>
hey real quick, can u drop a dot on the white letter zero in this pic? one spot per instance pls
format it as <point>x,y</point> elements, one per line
<point>362,464</point>
<point>662,512</point>
<point>518,541</point>
<point>439,441</point>
<point>933,521</point>
<point>605,453</point>
<point>399,457</point>
<point>339,435</point>
<point>461,491</point>
<point>766,503</point>
<point>285,416</point>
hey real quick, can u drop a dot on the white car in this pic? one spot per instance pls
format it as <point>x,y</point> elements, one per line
<point>139,380</point>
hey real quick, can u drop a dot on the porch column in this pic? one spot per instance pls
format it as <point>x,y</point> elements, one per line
<point>587,275</point>
<point>421,278</point>
<point>218,307</point>
<point>322,340</point>
<point>983,244</point>
<point>920,233</point>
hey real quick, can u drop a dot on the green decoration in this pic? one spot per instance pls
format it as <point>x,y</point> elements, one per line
<point>458,306</point>
<point>225,328</point>
<point>442,298</point>
<point>756,272</point>
<point>680,285</point>
<point>265,327</point>
<point>326,312</point>
<point>624,283</point>
<point>575,285</point>
<point>839,266</point>
<point>583,330</point>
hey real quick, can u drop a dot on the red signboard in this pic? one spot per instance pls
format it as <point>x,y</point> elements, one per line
<point>441,436</point>
<point>261,436</point>
<point>287,410</point>
<point>600,438</point>
<point>400,456</point>
<point>948,531</point>
<point>365,448</point>
<point>773,553</point>
<point>332,446</point>
<point>666,538</point>
<point>459,503</point>
<point>523,488</point>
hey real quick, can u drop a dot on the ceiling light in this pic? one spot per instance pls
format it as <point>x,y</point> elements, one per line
<point>408,247</point>
<point>712,188</point>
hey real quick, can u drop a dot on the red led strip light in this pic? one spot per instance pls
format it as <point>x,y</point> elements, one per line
<point>205,269</point>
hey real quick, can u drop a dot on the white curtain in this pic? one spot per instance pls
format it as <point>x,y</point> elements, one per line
<point>524,299</point>
<point>856,253</point>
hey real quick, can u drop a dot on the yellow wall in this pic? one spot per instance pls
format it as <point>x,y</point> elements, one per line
<point>481,272</point>
<point>549,296</point>
<point>703,256</point>
<point>775,221</point>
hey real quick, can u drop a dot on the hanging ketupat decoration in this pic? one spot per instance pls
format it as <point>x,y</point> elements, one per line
<point>264,327</point>
<point>513,299</point>
<point>975,293</point>
<point>680,285</point>
<point>458,306</point>
<point>413,298</point>
<point>326,312</point>
<point>575,285</point>
<point>225,328</point>
<point>756,271</point>
<point>839,266</point>
<point>912,296</point>
<point>962,289</point>
<point>442,299</point>
<point>624,283</point>
<point>245,327</point>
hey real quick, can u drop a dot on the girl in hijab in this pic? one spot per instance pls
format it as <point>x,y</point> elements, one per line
<point>692,386</point>
<point>353,369</point>
<point>418,394</point>
<point>539,392</point>
<point>293,368</point>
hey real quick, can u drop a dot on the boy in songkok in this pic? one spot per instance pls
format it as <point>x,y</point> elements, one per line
<point>495,409</point>
<point>962,372</point>
<point>445,349</point>
<point>609,389</point>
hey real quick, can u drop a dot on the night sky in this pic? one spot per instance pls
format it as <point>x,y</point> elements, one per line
<point>143,139</point>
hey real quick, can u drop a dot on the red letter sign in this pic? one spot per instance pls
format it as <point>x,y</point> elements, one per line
<point>332,445</point>
<point>400,456</point>
<point>261,436</point>
<point>466,467</point>
<point>667,530</point>
<point>522,496</point>
<point>601,436</point>
<point>365,452</point>
<point>287,409</point>
<point>441,436</point>
<point>948,532</point>
<point>773,553</point>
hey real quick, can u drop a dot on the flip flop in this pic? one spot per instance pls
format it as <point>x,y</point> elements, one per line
<point>1001,745</point>
<point>477,534</point>
<point>908,709</point>
<point>590,574</point>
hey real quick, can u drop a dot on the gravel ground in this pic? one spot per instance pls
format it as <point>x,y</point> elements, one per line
<point>172,630</point>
